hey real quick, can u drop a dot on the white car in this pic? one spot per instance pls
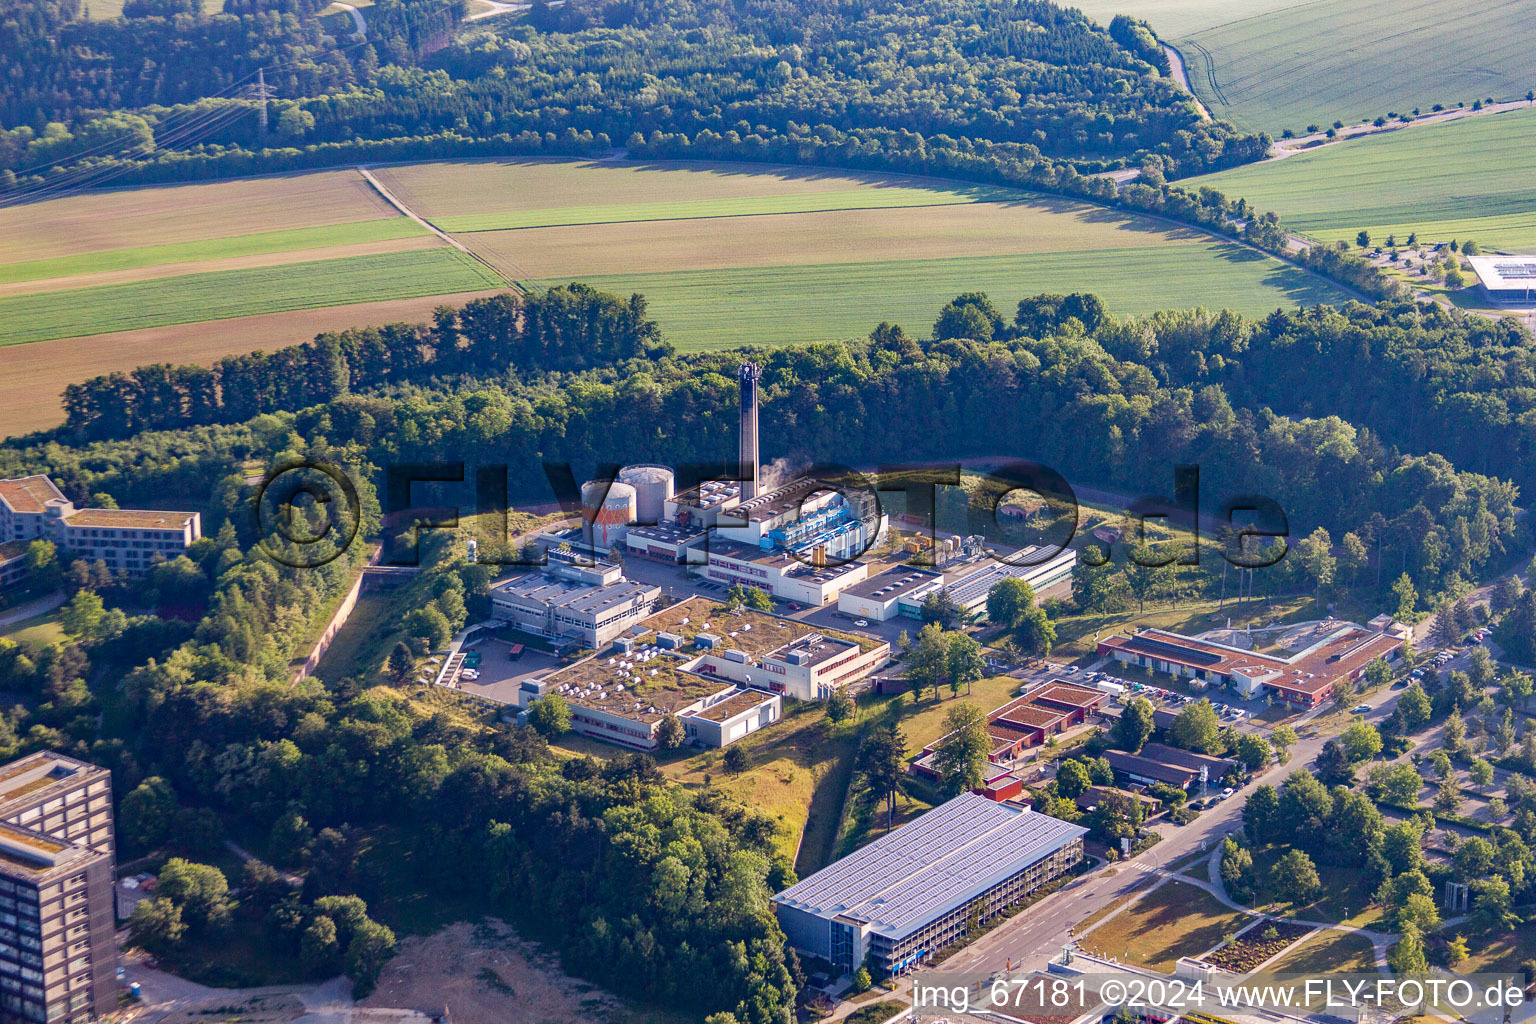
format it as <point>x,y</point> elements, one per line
<point>860,622</point>
<point>1226,792</point>
<point>470,674</point>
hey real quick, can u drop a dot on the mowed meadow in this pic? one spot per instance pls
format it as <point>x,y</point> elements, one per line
<point>731,254</point>
<point>727,254</point>
<point>1454,180</point>
<point>1268,66</point>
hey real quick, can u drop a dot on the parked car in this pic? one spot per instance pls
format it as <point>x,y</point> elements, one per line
<point>861,622</point>
<point>1364,709</point>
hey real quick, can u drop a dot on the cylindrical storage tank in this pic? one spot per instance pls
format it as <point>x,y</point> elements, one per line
<point>607,509</point>
<point>653,489</point>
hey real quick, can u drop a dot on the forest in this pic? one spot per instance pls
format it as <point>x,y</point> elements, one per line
<point>1116,402</point>
<point>382,799</point>
<point>567,327</point>
<point>95,93</point>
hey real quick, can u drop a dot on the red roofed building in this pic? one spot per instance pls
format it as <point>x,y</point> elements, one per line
<point>1306,678</point>
<point>1076,701</point>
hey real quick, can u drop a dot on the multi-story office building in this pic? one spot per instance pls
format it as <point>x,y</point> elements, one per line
<point>58,956</point>
<point>914,891</point>
<point>133,540</point>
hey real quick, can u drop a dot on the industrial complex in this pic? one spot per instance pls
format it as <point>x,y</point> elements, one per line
<point>918,889</point>
<point>722,671</point>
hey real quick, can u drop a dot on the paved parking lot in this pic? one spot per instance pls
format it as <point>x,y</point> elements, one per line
<point>500,675</point>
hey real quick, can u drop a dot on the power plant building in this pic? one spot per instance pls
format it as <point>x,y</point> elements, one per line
<point>909,894</point>
<point>751,463</point>
<point>901,590</point>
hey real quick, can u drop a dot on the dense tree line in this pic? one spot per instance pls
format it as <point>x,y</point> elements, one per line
<point>567,327</point>
<point>1059,382</point>
<point>1026,72</point>
<point>651,891</point>
<point>62,69</point>
<point>1423,377</point>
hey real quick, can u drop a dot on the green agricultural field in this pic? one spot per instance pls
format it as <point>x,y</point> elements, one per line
<point>780,305</point>
<point>1173,19</point>
<point>742,206</point>
<point>1443,181</point>
<point>290,240</point>
<point>232,293</point>
<point>447,190</point>
<point>1321,61</point>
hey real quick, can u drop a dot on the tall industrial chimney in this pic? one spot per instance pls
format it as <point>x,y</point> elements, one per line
<point>750,374</point>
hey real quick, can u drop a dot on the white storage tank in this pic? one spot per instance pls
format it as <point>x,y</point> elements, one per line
<point>607,509</point>
<point>653,489</point>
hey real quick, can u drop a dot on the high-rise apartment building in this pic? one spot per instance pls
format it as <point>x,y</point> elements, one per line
<point>58,955</point>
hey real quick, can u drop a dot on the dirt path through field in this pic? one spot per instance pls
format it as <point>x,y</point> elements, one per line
<point>394,201</point>
<point>1307,143</point>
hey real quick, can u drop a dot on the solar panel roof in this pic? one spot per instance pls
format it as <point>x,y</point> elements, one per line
<point>940,862</point>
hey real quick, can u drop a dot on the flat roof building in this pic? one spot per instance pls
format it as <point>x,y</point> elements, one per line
<point>878,597</point>
<point>58,952</point>
<point>912,892</point>
<point>781,574</point>
<point>1506,278</point>
<point>769,652</point>
<point>969,586</point>
<point>1306,678</point>
<point>553,607</point>
<point>130,540</point>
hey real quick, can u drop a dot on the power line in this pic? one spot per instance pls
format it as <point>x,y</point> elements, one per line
<point>94,177</point>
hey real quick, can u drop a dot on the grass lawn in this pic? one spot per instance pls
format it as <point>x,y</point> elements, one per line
<point>1077,635</point>
<point>1088,923</point>
<point>876,1014</point>
<point>233,293</point>
<point>800,772</point>
<point>256,244</point>
<point>1442,181</point>
<point>1499,953</point>
<point>1173,921</point>
<point>922,720</point>
<point>38,631</point>
<point>1327,953</point>
<point>707,309</point>
<point>360,647</point>
<point>1344,891</point>
<point>1315,62</point>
